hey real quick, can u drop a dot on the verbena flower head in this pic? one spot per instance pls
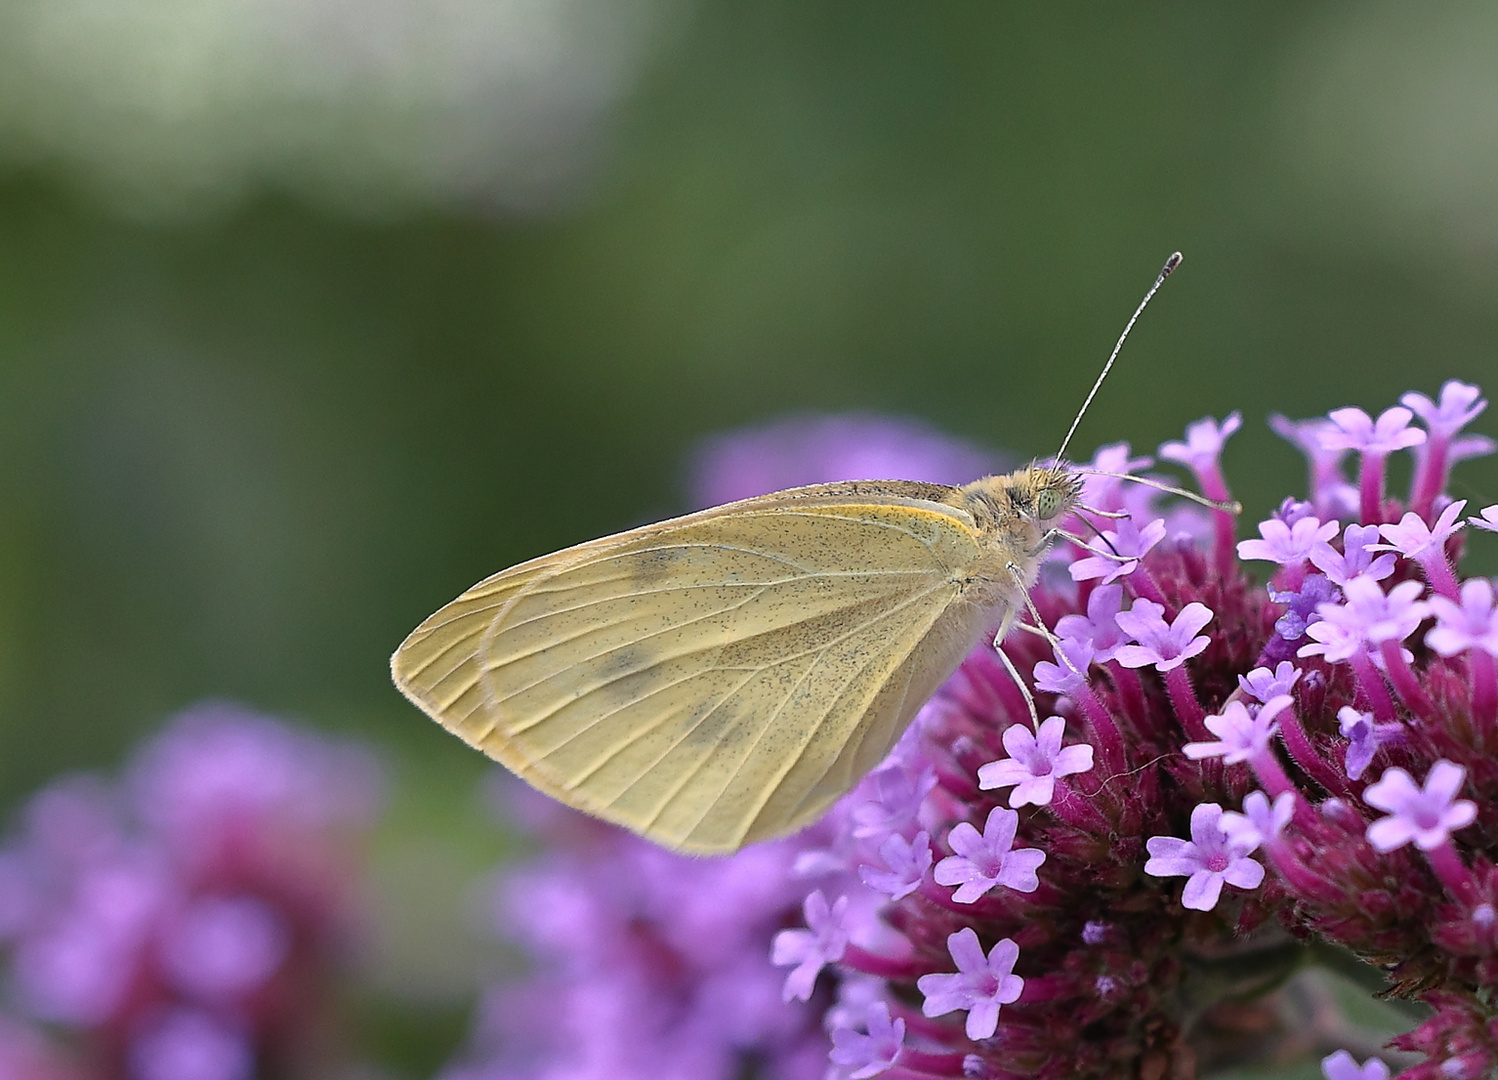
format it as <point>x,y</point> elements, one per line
<point>192,919</point>
<point>1340,703</point>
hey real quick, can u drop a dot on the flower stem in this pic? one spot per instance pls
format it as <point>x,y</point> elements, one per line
<point>1304,754</point>
<point>1437,569</point>
<point>1073,808</point>
<point>1105,736</point>
<point>1188,709</point>
<point>883,966</point>
<point>1430,478</point>
<point>1271,776</point>
<point>1371,488</point>
<point>1452,871</point>
<point>1404,680</point>
<point>1145,587</point>
<point>919,1065</point>
<point>1484,690</point>
<point>1371,683</point>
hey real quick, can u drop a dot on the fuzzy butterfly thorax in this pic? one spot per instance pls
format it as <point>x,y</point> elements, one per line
<point>1012,513</point>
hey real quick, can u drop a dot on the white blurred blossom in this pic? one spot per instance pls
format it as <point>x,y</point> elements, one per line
<point>182,105</point>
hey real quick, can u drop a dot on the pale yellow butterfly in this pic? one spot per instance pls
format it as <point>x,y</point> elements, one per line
<point>723,677</point>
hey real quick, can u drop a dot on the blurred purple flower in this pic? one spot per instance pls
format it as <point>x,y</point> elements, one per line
<point>812,949</point>
<point>1343,1066</point>
<point>820,449</point>
<point>1426,816</point>
<point>906,864</point>
<point>188,924</point>
<point>867,1055</point>
<point>1263,684</point>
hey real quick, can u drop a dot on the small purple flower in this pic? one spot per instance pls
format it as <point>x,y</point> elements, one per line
<point>1364,736</point>
<point>1292,510</point>
<point>1472,624</point>
<point>1243,735</point>
<point>1207,860</point>
<point>1205,439</point>
<point>981,985</point>
<point>1428,816</point>
<point>1302,606</point>
<point>1127,545</point>
<point>1099,627</point>
<point>897,803</point>
<point>984,861</point>
<point>1264,684</point>
<point>1343,1066</point>
<point>1288,545</point>
<point>220,947</point>
<point>1412,538</point>
<point>1106,492</point>
<point>1165,645</point>
<point>1369,616</point>
<point>821,943</point>
<point>1488,521</point>
<point>1069,673</point>
<point>1355,430</point>
<point>868,1054</point>
<point>190,1044</point>
<point>1356,559</point>
<point>1333,496</point>
<point>1035,760</point>
<point>1260,822</point>
<point>1333,641</point>
<point>1460,404</point>
<point>1095,932</point>
<point>907,862</point>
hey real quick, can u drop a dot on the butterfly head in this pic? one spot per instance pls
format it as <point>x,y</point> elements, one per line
<point>1047,492</point>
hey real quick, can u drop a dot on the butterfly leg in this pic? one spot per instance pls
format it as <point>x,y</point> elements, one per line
<point>1019,682</point>
<point>1038,628</point>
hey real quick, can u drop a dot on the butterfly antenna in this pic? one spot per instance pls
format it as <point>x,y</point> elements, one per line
<point>1169,268</point>
<point>1231,506</point>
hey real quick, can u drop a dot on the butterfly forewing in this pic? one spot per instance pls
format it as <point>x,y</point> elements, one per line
<point>716,679</point>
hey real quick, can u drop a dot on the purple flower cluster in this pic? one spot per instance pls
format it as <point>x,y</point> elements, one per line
<point>1321,750</point>
<point>650,964</point>
<point>186,922</point>
<point>999,901</point>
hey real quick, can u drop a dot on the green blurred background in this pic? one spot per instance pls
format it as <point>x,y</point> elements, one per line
<point>312,314</point>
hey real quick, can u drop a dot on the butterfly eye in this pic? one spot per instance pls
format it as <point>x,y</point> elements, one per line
<point>1047,503</point>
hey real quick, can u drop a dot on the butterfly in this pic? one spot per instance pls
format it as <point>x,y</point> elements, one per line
<point>722,678</point>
